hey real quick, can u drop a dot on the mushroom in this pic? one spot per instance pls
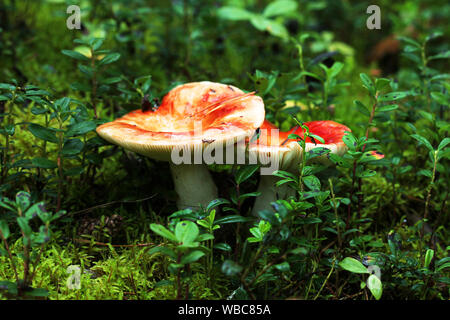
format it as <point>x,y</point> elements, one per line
<point>288,153</point>
<point>195,120</point>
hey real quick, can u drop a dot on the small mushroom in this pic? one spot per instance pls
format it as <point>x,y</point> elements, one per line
<point>275,145</point>
<point>191,118</point>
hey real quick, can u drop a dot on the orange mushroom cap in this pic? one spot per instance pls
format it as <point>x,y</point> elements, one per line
<point>222,112</point>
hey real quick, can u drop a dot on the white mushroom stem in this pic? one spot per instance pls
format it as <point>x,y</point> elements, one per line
<point>193,184</point>
<point>270,193</point>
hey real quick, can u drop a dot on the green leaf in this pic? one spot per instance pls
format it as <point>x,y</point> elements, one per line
<point>4,229</point>
<point>42,133</point>
<point>10,129</point>
<point>366,174</point>
<point>173,267</point>
<point>312,75</point>
<point>277,29</point>
<point>312,182</point>
<point>231,219</point>
<point>367,83</point>
<point>245,172</point>
<point>222,246</point>
<point>350,141</point>
<point>361,108</point>
<point>426,115</point>
<point>439,77</point>
<point>375,286</point>
<point>43,163</point>
<point>425,172</point>
<point>11,287</point>
<point>335,69</point>
<point>380,83</point>
<point>392,96</point>
<point>8,204</point>
<point>370,156</point>
<point>409,41</point>
<point>75,171</point>
<point>163,232</point>
<point>423,140</point>
<point>216,202</point>
<point>37,93</point>
<point>164,250</point>
<point>353,265</point>
<point>233,13</point>
<point>39,210</point>
<point>443,266</point>
<point>87,70</point>
<point>244,196</point>
<point>23,224</point>
<point>442,55</point>
<point>443,143</point>
<point>75,55</point>
<point>203,223</point>
<point>96,43</point>
<point>192,257</point>
<point>58,215</point>
<point>336,159</point>
<point>316,152</point>
<point>110,58</point>
<point>283,267</point>
<point>434,35</point>
<point>428,257</point>
<point>38,292</point>
<point>387,108</point>
<point>36,110</point>
<point>280,7</point>
<point>80,128</point>
<point>7,86</point>
<point>440,98</point>
<point>186,232</point>
<point>111,80</point>
<point>204,237</point>
<point>72,147</point>
<point>316,137</point>
<point>23,200</point>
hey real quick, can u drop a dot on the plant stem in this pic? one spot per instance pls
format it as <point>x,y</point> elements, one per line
<point>429,189</point>
<point>5,170</point>
<point>26,254</point>
<point>60,165</point>
<point>336,215</point>
<point>10,255</point>
<point>94,85</point>
<point>179,278</point>
<point>326,280</point>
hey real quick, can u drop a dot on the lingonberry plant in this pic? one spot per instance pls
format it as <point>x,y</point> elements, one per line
<point>23,213</point>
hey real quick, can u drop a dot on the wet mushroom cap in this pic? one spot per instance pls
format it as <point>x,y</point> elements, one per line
<point>194,114</point>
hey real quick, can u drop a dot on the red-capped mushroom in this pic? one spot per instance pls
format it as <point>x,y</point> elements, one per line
<point>192,117</point>
<point>274,144</point>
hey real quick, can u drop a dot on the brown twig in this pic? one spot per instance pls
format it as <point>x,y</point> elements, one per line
<point>119,245</point>
<point>111,203</point>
